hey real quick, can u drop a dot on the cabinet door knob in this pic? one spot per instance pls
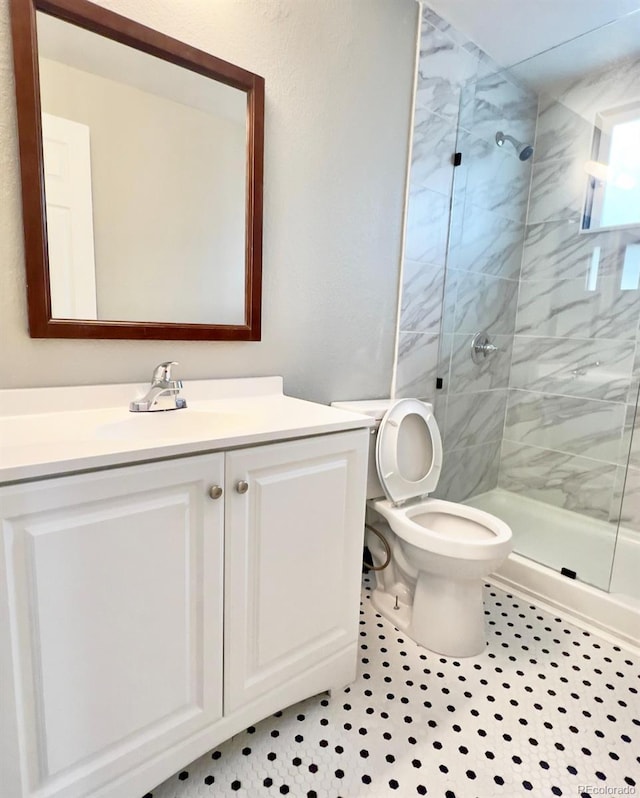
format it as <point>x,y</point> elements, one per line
<point>215,491</point>
<point>242,486</point>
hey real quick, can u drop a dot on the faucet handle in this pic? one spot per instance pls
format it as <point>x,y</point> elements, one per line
<point>162,372</point>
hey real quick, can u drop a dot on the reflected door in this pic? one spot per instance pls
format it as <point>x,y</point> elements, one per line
<point>67,172</point>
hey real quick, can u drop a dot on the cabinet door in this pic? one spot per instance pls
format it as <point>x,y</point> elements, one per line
<point>293,558</point>
<point>111,587</point>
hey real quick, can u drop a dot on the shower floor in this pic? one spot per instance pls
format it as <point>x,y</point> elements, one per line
<point>548,709</point>
<point>560,538</point>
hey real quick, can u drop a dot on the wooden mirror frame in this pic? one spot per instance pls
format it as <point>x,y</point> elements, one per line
<point>106,23</point>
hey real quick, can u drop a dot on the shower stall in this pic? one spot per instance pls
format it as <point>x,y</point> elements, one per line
<point>523,224</point>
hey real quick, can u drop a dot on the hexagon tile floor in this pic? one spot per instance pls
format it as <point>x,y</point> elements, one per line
<point>548,709</point>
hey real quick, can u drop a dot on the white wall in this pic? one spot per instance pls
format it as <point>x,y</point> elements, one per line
<point>338,95</point>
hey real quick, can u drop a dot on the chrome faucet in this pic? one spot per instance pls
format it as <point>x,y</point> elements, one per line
<point>163,393</point>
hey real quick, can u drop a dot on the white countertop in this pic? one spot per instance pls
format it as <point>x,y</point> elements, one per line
<point>53,431</point>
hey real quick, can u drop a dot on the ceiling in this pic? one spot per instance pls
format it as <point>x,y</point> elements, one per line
<point>511,31</point>
<point>579,56</point>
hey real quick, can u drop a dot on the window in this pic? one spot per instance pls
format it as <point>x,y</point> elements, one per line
<point>613,191</point>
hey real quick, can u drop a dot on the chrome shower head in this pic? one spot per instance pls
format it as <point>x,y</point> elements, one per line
<point>525,151</point>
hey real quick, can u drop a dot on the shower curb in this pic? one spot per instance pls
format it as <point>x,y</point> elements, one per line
<point>593,610</point>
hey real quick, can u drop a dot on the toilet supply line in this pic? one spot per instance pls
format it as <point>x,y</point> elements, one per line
<point>387,549</point>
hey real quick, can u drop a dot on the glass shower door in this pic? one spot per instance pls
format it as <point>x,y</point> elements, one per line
<point>567,473</point>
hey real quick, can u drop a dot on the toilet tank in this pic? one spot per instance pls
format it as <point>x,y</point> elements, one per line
<point>376,408</point>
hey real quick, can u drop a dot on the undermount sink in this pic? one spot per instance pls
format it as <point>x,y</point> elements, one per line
<point>170,424</point>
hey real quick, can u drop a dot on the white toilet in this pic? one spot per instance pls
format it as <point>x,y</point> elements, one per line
<point>440,550</point>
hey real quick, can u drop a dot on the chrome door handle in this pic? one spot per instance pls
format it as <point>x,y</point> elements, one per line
<point>242,486</point>
<point>215,491</point>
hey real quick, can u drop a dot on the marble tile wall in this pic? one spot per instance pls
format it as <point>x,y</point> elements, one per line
<point>470,219</point>
<point>575,368</point>
<point>444,66</point>
<point>551,414</point>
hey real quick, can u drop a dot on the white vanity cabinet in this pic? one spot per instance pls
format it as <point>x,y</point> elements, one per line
<point>126,591</point>
<point>293,553</point>
<point>112,613</point>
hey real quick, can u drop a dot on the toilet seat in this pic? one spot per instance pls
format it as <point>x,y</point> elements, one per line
<point>408,451</point>
<point>409,461</point>
<point>477,536</point>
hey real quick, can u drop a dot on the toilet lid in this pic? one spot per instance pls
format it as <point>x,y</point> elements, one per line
<point>408,450</point>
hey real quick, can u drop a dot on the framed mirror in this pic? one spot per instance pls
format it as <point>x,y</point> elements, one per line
<point>142,164</point>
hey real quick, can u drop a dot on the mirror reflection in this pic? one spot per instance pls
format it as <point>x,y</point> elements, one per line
<point>145,184</point>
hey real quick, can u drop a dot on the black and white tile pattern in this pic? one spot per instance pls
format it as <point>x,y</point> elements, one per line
<point>546,710</point>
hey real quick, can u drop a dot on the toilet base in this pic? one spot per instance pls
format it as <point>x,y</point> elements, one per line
<point>448,615</point>
<point>385,604</point>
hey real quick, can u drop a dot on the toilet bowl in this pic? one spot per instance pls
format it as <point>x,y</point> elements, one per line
<point>440,550</point>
